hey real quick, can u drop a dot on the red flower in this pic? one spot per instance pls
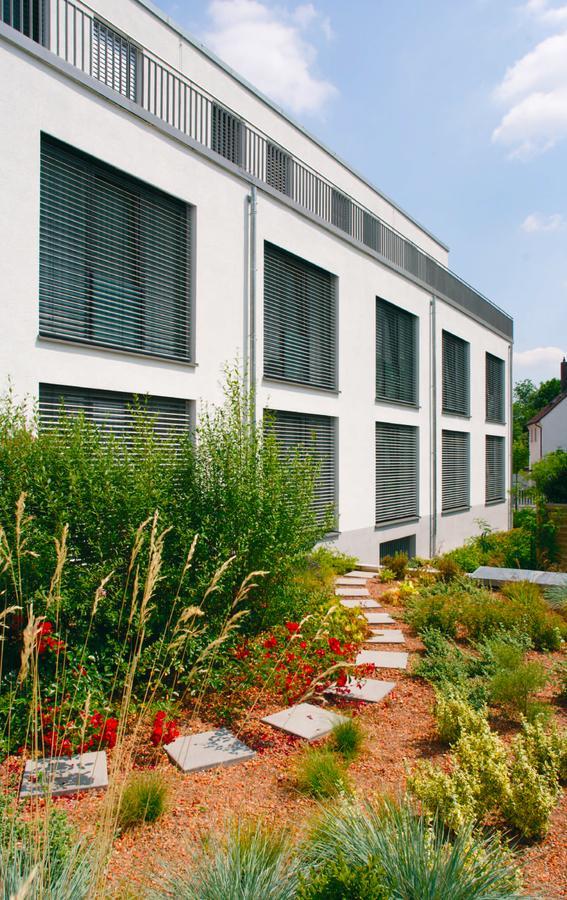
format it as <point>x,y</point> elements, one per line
<point>341,680</point>
<point>303,644</point>
<point>335,646</point>
<point>270,642</point>
<point>292,627</point>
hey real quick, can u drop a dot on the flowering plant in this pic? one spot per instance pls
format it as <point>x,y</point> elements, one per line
<point>64,736</point>
<point>164,730</point>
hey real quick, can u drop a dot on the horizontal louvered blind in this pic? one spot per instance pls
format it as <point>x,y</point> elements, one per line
<point>396,354</point>
<point>278,169</point>
<point>456,375</point>
<point>299,320</point>
<point>495,391</point>
<point>495,469</point>
<point>397,472</point>
<point>455,471</point>
<point>111,410</point>
<point>316,435</point>
<point>226,134</point>
<point>114,60</point>
<point>114,258</point>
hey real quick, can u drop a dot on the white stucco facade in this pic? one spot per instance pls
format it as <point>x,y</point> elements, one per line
<point>549,433</point>
<point>40,95</point>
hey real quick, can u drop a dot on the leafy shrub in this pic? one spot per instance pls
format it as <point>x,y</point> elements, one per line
<point>515,681</point>
<point>550,476</point>
<point>347,739</point>
<point>448,568</point>
<point>320,773</point>
<point>418,858</point>
<point>143,799</point>
<point>385,575</point>
<point>397,563</point>
<point>446,666</point>
<point>455,716</point>
<point>433,611</point>
<point>337,880</point>
<point>253,862</point>
<point>531,798</point>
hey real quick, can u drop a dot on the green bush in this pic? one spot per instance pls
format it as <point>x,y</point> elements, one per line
<point>433,611</point>
<point>338,880</point>
<point>144,799</point>
<point>320,773</point>
<point>515,681</point>
<point>397,563</point>
<point>455,716</point>
<point>385,575</point>
<point>451,670</point>
<point>531,798</point>
<point>347,739</point>
<point>550,476</point>
<point>418,857</point>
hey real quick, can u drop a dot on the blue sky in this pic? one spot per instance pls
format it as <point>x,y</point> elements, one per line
<point>457,109</point>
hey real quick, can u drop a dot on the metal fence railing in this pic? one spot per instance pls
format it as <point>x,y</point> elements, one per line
<point>78,36</point>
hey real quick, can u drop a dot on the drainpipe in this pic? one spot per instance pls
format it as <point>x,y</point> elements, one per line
<point>433,427</point>
<point>251,349</point>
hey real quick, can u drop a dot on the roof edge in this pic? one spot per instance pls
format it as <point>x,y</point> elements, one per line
<point>202,48</point>
<point>547,409</point>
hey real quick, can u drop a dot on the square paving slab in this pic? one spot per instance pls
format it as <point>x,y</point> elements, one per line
<point>356,573</point>
<point>362,603</point>
<point>305,721</point>
<point>386,636</point>
<point>370,690</point>
<point>374,618</point>
<point>351,592</point>
<point>195,752</point>
<point>382,659</point>
<point>350,582</point>
<point>60,775</point>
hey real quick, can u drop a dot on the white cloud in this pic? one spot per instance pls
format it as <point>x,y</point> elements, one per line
<point>268,46</point>
<point>539,364</point>
<point>534,90</point>
<point>536,222</point>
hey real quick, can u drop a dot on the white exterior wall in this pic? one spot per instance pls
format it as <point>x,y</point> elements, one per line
<point>46,101</point>
<point>549,434</point>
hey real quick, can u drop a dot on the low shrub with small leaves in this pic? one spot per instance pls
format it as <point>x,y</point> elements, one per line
<point>385,575</point>
<point>455,716</point>
<point>338,879</point>
<point>451,670</point>
<point>530,799</point>
<point>347,739</point>
<point>321,773</point>
<point>448,569</point>
<point>515,681</point>
<point>144,799</point>
<point>433,611</point>
<point>397,563</point>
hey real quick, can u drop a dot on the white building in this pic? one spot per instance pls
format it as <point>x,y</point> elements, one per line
<point>160,218</point>
<point>548,429</point>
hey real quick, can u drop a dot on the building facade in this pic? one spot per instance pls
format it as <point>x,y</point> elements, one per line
<point>160,219</point>
<point>548,429</point>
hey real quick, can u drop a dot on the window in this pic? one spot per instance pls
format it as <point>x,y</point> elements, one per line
<point>397,472</point>
<point>341,211</point>
<point>299,320</point>
<point>111,410</point>
<point>27,16</point>
<point>315,435</point>
<point>495,469</point>
<point>495,391</point>
<point>396,354</point>
<point>278,169</point>
<point>114,258</point>
<point>114,60</point>
<point>398,545</point>
<point>226,134</point>
<point>455,471</point>
<point>456,378</point>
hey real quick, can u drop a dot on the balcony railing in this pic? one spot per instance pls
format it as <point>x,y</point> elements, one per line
<point>76,34</point>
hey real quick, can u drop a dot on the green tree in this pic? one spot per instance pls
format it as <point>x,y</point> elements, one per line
<point>529,400</point>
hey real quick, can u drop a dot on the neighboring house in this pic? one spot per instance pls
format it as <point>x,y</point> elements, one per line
<point>160,218</point>
<point>548,429</point>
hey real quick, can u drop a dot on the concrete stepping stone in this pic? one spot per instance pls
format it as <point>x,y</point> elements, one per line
<point>391,636</point>
<point>370,690</point>
<point>369,568</point>
<point>350,582</point>
<point>305,721</point>
<point>351,592</point>
<point>356,573</point>
<point>382,659</point>
<point>362,603</point>
<point>196,752</point>
<point>58,776</point>
<point>374,618</point>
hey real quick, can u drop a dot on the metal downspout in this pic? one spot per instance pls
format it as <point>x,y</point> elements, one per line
<point>252,199</point>
<point>433,426</point>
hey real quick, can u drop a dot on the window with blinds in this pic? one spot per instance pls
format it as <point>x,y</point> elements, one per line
<point>114,266</point>
<point>278,169</point>
<point>398,545</point>
<point>316,435</point>
<point>114,60</point>
<point>397,472</point>
<point>300,341</point>
<point>226,134</point>
<point>455,474</point>
<point>341,211</point>
<point>495,469</point>
<point>27,16</point>
<point>456,375</point>
<point>113,411</point>
<point>396,354</point>
<point>495,389</point>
